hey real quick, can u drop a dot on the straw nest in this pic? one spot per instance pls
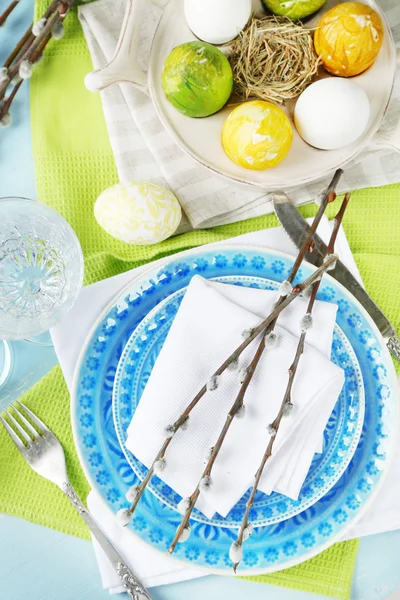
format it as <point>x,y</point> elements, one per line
<point>273,59</point>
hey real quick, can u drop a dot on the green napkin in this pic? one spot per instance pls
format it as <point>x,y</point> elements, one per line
<point>74,163</point>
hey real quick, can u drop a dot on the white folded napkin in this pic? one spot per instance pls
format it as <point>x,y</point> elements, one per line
<point>208,327</point>
<point>383,514</point>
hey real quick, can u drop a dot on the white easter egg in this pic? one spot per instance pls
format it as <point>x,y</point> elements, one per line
<point>138,212</point>
<point>217,21</point>
<point>332,113</point>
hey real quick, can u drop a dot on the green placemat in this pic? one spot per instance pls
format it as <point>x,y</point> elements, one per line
<point>74,163</point>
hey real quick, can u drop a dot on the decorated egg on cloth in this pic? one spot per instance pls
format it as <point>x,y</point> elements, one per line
<point>257,135</point>
<point>332,113</point>
<point>348,38</point>
<point>217,21</point>
<point>294,9</point>
<point>197,79</point>
<point>138,212</point>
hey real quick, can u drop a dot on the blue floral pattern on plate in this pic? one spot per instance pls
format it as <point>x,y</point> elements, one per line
<point>271,547</point>
<point>341,436</point>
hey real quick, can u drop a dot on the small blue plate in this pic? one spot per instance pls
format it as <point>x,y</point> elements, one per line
<point>341,435</point>
<point>272,547</point>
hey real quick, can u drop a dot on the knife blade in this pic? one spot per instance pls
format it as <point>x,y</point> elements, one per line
<point>297,228</point>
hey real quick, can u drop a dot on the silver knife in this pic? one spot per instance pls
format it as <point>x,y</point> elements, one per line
<point>297,228</point>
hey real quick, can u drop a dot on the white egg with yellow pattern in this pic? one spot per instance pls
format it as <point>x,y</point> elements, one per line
<point>138,212</point>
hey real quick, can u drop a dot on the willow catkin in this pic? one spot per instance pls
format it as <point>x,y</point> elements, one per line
<point>273,59</point>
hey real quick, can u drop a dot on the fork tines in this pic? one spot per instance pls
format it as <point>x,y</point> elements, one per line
<point>20,413</point>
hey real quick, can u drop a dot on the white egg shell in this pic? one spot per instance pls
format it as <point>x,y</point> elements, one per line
<point>332,113</point>
<point>217,21</point>
<point>138,212</point>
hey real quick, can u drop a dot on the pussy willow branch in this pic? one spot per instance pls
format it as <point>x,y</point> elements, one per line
<point>28,35</point>
<point>29,41</point>
<point>25,42</point>
<point>30,48</point>
<point>40,48</point>
<point>292,373</point>
<point>4,16</point>
<point>329,196</point>
<point>297,290</point>
<point>217,446</point>
<point>235,355</point>
<point>27,55</point>
<point>7,103</point>
<point>337,223</point>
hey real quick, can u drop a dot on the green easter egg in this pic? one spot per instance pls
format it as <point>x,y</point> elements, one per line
<point>197,79</point>
<point>294,9</point>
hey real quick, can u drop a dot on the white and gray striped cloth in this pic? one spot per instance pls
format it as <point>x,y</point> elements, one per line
<point>144,150</point>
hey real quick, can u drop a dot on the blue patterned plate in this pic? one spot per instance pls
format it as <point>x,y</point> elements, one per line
<point>272,547</point>
<point>341,436</point>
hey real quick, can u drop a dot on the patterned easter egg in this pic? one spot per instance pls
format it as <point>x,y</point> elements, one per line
<point>197,79</point>
<point>138,212</point>
<point>348,38</point>
<point>257,135</point>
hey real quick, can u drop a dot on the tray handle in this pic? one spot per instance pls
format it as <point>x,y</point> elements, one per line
<point>124,66</point>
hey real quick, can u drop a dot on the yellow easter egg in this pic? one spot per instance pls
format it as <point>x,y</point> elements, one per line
<point>257,135</point>
<point>138,212</point>
<point>348,38</point>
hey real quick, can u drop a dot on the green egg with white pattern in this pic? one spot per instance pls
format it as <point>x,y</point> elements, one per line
<point>294,9</point>
<point>197,79</point>
<point>139,212</point>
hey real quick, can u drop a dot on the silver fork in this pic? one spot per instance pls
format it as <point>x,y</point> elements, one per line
<point>44,454</point>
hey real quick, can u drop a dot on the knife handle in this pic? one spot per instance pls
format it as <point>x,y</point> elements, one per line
<point>393,344</point>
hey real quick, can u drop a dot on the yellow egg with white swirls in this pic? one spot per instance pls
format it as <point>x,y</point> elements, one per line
<point>257,135</point>
<point>348,38</point>
<point>138,213</point>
